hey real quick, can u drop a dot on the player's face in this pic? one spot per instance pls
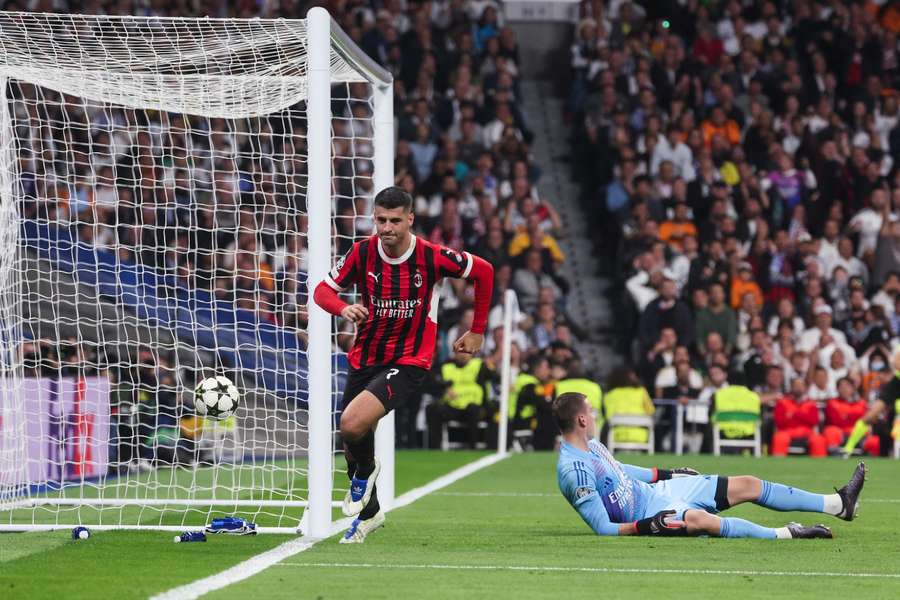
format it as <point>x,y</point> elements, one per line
<point>392,226</point>
<point>588,412</point>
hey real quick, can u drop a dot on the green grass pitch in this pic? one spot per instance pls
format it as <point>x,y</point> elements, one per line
<point>503,532</point>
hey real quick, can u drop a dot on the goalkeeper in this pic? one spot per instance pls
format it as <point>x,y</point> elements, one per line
<point>619,499</point>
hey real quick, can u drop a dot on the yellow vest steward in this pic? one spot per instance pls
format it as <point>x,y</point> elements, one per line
<point>628,401</point>
<point>464,383</point>
<point>583,386</point>
<point>521,381</point>
<point>736,399</point>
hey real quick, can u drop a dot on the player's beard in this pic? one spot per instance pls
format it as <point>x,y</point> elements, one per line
<point>391,242</point>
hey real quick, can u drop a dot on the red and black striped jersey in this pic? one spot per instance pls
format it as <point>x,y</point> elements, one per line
<point>401,295</point>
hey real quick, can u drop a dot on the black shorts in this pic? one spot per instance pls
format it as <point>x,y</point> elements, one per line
<point>391,384</point>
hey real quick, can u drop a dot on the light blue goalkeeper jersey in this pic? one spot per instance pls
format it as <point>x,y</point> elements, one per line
<point>604,491</point>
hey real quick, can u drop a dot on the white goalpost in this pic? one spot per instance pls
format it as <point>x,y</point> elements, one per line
<point>170,191</point>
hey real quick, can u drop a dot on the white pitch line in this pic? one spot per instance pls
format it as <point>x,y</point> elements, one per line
<point>539,568</point>
<point>264,560</point>
<point>557,495</point>
<point>498,494</point>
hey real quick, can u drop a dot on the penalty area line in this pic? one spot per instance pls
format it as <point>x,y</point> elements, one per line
<point>264,560</point>
<point>539,568</point>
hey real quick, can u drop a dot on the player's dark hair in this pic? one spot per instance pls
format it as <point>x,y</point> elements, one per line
<point>394,197</point>
<point>566,408</point>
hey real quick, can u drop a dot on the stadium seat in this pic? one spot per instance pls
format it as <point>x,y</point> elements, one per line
<point>737,416</point>
<point>719,442</point>
<point>446,444</point>
<point>623,420</point>
<point>522,440</point>
<point>220,440</point>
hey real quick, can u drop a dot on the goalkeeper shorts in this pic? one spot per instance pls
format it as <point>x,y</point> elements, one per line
<point>703,492</point>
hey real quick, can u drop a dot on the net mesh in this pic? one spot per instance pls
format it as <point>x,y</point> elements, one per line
<point>153,233</point>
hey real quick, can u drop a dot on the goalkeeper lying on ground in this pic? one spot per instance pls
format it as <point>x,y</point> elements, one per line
<point>618,499</point>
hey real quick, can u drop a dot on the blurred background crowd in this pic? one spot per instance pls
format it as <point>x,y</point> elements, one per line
<point>740,160</point>
<point>736,160</point>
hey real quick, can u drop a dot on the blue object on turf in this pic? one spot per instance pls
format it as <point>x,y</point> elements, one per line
<point>191,536</point>
<point>76,533</point>
<point>232,525</point>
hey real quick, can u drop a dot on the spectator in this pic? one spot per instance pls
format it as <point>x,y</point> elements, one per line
<point>626,396</point>
<point>822,334</point>
<point>744,284</point>
<point>718,318</point>
<point>530,278</point>
<point>666,311</point>
<point>678,227</point>
<point>537,398</point>
<point>465,400</point>
<point>796,417</point>
<point>841,414</point>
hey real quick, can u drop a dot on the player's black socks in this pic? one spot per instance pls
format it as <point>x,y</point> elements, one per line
<point>372,508</point>
<point>363,453</point>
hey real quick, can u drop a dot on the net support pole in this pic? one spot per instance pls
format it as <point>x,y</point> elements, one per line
<point>319,350</point>
<point>509,305</point>
<point>13,455</point>
<point>383,177</point>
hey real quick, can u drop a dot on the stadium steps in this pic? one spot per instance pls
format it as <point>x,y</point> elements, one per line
<point>588,305</point>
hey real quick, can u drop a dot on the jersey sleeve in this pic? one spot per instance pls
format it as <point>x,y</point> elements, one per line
<point>640,473</point>
<point>579,488</point>
<point>345,270</point>
<point>451,263</point>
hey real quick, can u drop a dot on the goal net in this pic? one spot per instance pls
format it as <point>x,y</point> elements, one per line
<point>168,189</point>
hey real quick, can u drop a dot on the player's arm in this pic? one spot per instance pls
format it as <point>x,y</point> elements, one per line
<point>594,514</point>
<point>579,489</point>
<point>654,474</point>
<point>338,280</point>
<point>464,265</point>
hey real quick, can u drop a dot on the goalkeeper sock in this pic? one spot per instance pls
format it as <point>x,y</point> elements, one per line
<point>860,429</point>
<point>362,452</point>
<point>372,508</point>
<point>781,497</point>
<point>732,527</point>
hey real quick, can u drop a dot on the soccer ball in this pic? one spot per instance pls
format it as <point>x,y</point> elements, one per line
<point>216,397</point>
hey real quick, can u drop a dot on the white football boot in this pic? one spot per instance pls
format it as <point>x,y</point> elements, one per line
<point>361,528</point>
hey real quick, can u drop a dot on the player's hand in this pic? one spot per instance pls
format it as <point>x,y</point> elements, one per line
<point>664,474</point>
<point>468,343</point>
<point>356,313</point>
<point>662,523</point>
<point>684,472</point>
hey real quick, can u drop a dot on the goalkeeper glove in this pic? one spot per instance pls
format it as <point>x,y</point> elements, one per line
<point>661,523</point>
<point>895,432</point>
<point>663,474</point>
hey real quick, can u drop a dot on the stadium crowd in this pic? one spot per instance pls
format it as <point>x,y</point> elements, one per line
<point>218,205</point>
<point>740,160</point>
<point>735,159</point>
